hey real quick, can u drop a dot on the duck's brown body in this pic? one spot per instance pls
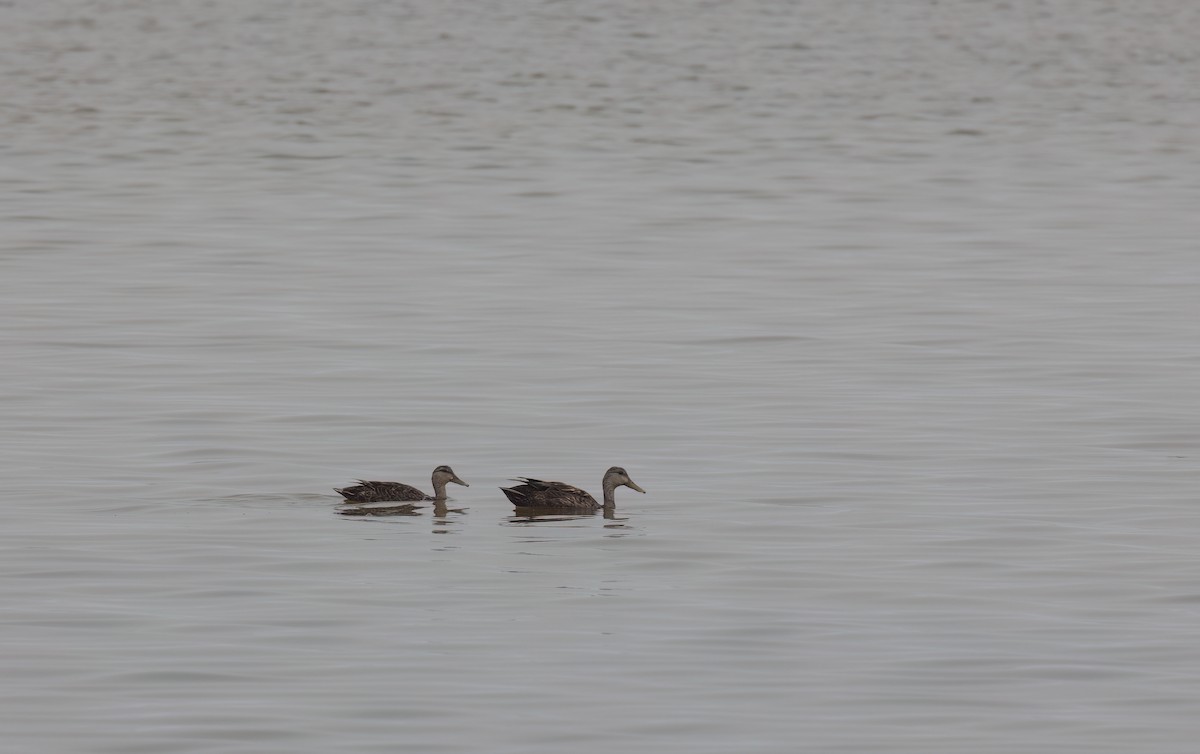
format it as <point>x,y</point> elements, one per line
<point>538,493</point>
<point>379,492</point>
<point>383,492</point>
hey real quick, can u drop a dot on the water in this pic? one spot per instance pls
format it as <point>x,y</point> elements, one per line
<point>891,308</point>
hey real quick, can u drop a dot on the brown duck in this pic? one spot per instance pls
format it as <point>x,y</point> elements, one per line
<point>378,492</point>
<point>535,493</point>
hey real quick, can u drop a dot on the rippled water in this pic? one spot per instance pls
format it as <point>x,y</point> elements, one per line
<point>891,308</point>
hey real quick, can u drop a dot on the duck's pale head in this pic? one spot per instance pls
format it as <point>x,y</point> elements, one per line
<point>443,475</point>
<point>618,477</point>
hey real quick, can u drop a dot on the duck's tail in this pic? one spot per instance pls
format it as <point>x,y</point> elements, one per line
<point>514,496</point>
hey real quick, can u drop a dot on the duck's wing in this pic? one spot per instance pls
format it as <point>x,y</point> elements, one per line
<point>538,493</point>
<point>377,492</point>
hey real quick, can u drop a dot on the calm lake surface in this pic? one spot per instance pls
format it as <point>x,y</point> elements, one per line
<point>893,308</point>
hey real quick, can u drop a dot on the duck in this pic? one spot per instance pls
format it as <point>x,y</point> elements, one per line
<point>536,493</point>
<point>378,492</point>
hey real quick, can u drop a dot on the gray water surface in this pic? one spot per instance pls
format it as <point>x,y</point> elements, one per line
<point>892,308</point>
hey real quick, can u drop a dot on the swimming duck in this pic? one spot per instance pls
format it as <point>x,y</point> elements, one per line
<point>377,492</point>
<point>535,493</point>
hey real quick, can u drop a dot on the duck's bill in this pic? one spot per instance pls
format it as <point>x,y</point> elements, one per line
<point>633,485</point>
<point>456,480</point>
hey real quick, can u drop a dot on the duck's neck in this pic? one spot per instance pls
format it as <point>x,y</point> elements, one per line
<point>610,491</point>
<point>439,489</point>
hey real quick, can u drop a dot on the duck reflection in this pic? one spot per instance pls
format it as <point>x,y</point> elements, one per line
<point>443,522</point>
<point>444,518</point>
<point>440,510</point>
<point>532,514</point>
<point>378,510</point>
